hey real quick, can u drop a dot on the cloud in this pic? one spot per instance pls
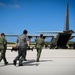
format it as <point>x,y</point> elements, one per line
<point>16,6</point>
<point>2,4</point>
<point>13,6</point>
<point>15,0</point>
<point>9,5</point>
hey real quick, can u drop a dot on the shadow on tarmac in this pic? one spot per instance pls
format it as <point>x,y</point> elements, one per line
<point>28,63</point>
<point>6,65</point>
<point>33,62</point>
<point>45,60</point>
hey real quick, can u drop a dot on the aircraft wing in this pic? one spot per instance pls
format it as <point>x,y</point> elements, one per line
<point>46,34</point>
<point>30,35</point>
<point>53,32</point>
<point>57,32</point>
<point>50,32</point>
<point>11,35</point>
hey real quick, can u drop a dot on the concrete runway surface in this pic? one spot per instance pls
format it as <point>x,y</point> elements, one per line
<point>52,62</point>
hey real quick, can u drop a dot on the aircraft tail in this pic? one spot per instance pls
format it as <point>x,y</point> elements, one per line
<point>66,27</point>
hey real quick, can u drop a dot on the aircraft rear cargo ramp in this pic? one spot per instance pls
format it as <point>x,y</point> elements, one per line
<point>61,40</point>
<point>52,62</point>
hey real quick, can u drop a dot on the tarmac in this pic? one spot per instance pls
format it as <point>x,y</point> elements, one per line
<point>52,62</point>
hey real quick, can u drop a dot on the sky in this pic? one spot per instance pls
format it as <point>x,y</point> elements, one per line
<point>35,15</point>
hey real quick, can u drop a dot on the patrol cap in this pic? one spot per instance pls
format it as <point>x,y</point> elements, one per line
<point>25,32</point>
<point>41,35</point>
<point>2,34</point>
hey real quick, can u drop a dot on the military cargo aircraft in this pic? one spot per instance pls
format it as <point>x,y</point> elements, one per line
<point>62,37</point>
<point>65,34</point>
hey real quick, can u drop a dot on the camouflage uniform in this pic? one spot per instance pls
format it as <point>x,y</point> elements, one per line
<point>39,45</point>
<point>3,49</point>
<point>21,44</point>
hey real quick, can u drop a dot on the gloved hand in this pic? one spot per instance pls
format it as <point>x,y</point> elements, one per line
<point>14,48</point>
<point>28,47</point>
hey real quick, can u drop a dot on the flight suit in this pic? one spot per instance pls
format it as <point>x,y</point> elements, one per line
<point>3,49</point>
<point>39,45</point>
<point>21,45</point>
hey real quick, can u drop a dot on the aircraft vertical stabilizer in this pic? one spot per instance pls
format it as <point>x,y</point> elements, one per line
<point>66,27</point>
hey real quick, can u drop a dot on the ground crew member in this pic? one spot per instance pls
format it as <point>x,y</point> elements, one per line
<point>21,44</point>
<point>3,47</point>
<point>39,45</point>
